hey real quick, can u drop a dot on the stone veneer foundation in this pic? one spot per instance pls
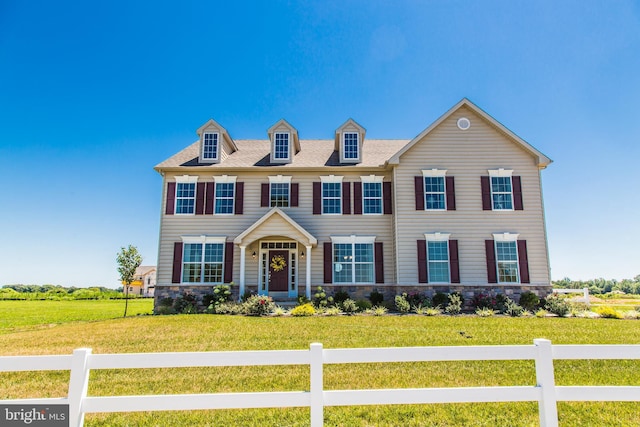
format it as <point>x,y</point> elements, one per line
<point>362,292</point>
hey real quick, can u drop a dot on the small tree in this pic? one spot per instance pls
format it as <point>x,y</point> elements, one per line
<point>128,260</point>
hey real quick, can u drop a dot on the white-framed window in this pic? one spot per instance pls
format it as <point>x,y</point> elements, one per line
<point>351,147</point>
<point>210,146</point>
<point>353,259</point>
<point>438,263</point>
<point>203,259</point>
<point>435,196</point>
<point>501,189</point>
<point>506,246</point>
<point>372,194</point>
<point>280,191</point>
<point>331,195</point>
<point>281,146</point>
<point>186,195</point>
<point>225,187</point>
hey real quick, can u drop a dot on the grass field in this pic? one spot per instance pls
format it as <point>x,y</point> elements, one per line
<point>210,333</point>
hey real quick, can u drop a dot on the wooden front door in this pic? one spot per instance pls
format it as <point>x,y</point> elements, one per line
<point>278,278</point>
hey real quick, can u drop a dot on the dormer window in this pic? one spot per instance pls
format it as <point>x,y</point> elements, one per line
<point>351,146</point>
<point>210,146</point>
<point>281,146</point>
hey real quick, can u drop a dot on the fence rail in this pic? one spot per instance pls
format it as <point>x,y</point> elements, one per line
<point>583,291</point>
<point>545,392</point>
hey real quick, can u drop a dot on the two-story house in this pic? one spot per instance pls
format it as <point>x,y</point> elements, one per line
<point>457,208</point>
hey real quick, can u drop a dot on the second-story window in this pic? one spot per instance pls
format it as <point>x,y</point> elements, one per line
<point>501,193</point>
<point>372,197</point>
<point>332,198</point>
<point>281,146</point>
<point>224,197</point>
<point>434,192</point>
<point>185,197</point>
<point>210,146</point>
<point>279,194</point>
<point>351,145</point>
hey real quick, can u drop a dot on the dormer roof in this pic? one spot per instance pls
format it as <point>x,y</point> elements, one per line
<point>349,126</point>
<point>348,133</point>
<point>212,125</point>
<point>284,126</point>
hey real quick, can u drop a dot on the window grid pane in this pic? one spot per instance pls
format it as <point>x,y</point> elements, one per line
<point>501,192</point>
<point>438,261</point>
<point>353,263</point>
<point>372,197</point>
<point>331,198</point>
<point>224,198</point>
<point>507,259</point>
<point>281,150</point>
<point>280,195</point>
<point>210,149</point>
<point>351,145</point>
<point>185,197</point>
<point>434,191</point>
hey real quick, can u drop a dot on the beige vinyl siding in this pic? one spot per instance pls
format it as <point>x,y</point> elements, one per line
<point>467,155</point>
<point>320,226</point>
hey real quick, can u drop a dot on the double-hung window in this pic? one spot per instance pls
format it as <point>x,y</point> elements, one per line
<point>438,261</point>
<point>507,261</point>
<point>185,197</point>
<point>203,262</point>
<point>501,189</point>
<point>280,191</point>
<point>210,146</point>
<point>435,196</point>
<point>281,146</point>
<point>225,188</point>
<point>332,195</point>
<point>371,195</point>
<point>353,260</point>
<point>351,146</point>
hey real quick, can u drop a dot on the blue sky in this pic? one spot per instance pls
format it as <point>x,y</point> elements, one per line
<point>94,94</point>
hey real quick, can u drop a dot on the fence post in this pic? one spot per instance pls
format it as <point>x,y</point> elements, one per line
<point>316,386</point>
<point>585,294</point>
<point>547,405</point>
<point>78,384</point>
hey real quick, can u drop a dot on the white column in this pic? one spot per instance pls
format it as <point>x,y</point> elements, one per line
<point>242,262</point>
<point>308,272</point>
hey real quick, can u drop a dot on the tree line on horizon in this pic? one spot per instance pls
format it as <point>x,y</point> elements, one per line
<point>601,286</point>
<point>57,292</point>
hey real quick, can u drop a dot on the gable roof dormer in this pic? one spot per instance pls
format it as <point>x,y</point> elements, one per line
<point>284,142</point>
<point>215,142</point>
<point>348,141</point>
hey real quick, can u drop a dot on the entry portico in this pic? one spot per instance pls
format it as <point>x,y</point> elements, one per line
<point>279,238</point>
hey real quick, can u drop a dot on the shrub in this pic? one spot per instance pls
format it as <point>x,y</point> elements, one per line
<point>485,312</point>
<point>608,313</point>
<point>166,302</point>
<point>340,296</point>
<point>402,305</point>
<point>363,305</point>
<point>258,305</point>
<point>432,311</point>
<point>440,299</point>
<point>376,298</point>
<point>455,304</point>
<point>302,299</point>
<point>332,311</point>
<point>379,310</point>
<point>226,308</point>
<point>420,309</point>
<point>349,306</point>
<point>513,309</point>
<point>529,300</point>
<point>631,314</point>
<point>557,305</point>
<point>186,304</point>
<point>163,309</point>
<point>303,310</point>
<point>417,299</point>
<point>220,295</point>
<point>541,312</point>
<point>320,298</point>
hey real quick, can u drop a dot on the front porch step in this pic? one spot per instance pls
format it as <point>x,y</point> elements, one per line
<point>286,302</point>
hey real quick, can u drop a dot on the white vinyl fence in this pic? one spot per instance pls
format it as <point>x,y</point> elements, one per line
<point>545,392</point>
<point>583,291</point>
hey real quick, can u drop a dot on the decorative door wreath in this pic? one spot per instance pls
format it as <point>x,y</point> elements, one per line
<point>278,263</point>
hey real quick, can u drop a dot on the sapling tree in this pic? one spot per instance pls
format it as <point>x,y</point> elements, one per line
<point>128,260</point>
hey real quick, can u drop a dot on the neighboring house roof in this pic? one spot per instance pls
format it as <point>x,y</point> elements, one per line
<point>321,152</point>
<point>143,270</point>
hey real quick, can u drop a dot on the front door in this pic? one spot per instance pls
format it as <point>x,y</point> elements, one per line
<point>278,271</point>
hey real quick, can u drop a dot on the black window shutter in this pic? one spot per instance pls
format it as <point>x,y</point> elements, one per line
<point>492,274</point>
<point>346,198</point>
<point>228,262</point>
<point>486,194</point>
<point>419,190</point>
<point>328,262</point>
<point>239,203</point>
<point>357,198</point>
<point>454,263</point>
<point>177,263</point>
<point>523,261</point>
<point>171,198</point>
<point>422,261</point>
<point>295,190</point>
<point>386,198</point>
<point>264,196</point>
<point>317,198</point>
<point>210,189</point>
<point>517,193</point>
<point>451,193</point>
<point>200,190</point>
<point>379,257</point>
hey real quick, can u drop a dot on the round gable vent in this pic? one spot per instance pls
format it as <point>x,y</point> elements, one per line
<point>463,123</point>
